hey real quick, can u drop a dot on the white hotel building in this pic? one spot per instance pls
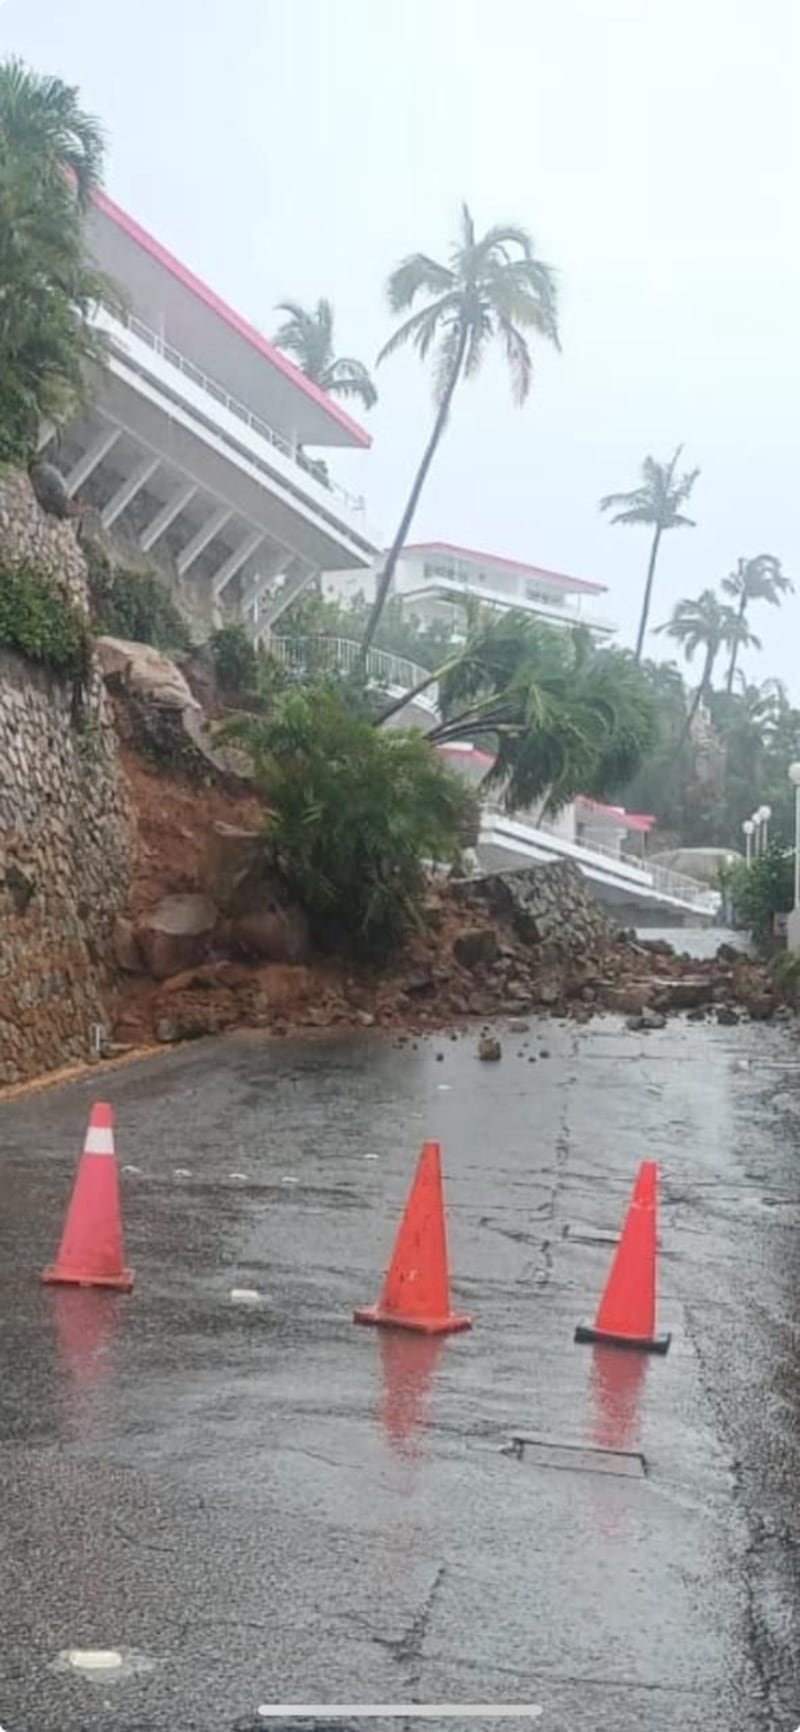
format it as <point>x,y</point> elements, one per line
<point>433,578</point>
<point>194,443</point>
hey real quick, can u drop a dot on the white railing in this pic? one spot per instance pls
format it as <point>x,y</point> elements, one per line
<point>394,673</point>
<point>638,873</point>
<point>212,388</point>
<point>461,589</point>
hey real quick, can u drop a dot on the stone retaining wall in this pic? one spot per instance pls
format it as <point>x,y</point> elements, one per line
<point>551,906</point>
<point>64,833</point>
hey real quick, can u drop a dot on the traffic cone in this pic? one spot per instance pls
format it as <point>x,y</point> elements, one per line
<point>626,1315</point>
<point>90,1253</point>
<point>416,1289</point>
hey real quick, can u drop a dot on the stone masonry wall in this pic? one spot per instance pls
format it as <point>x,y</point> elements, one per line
<point>64,833</point>
<point>550,905</point>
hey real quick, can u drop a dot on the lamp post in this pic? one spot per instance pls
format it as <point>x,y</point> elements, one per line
<point>748,828</point>
<point>766,814</point>
<point>794,778</point>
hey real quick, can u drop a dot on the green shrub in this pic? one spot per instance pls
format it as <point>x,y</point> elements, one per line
<point>354,814</point>
<point>40,624</point>
<point>235,660</point>
<point>133,604</point>
<point>761,890</point>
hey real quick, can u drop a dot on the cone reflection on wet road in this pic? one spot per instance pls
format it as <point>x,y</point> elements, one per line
<point>408,1363</point>
<point>85,1321</point>
<point>615,1391</point>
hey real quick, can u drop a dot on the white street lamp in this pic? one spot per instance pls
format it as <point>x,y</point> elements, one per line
<point>748,828</point>
<point>794,778</point>
<point>766,814</point>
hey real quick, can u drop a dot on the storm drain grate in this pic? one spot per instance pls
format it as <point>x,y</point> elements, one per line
<point>577,1457</point>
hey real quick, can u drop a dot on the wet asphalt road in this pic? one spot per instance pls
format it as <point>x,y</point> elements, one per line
<point>269,1506</point>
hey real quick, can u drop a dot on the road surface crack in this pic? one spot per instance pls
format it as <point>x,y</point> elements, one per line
<point>407,1648</point>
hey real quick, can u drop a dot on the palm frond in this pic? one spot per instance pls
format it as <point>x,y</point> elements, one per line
<point>416,275</point>
<point>519,359</point>
<point>421,328</point>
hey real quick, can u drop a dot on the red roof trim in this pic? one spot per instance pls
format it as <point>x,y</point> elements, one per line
<point>265,349</point>
<point>574,583</point>
<point>626,820</point>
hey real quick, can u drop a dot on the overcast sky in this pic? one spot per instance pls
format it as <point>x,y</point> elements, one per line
<point>300,147</point>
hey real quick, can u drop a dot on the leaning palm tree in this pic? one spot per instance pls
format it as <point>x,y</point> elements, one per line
<point>657,501</point>
<point>308,337</point>
<point>706,623</point>
<point>41,119</point>
<point>493,288</point>
<point>759,579</point>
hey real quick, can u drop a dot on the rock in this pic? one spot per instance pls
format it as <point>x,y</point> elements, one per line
<point>653,1019</point>
<point>272,934</point>
<point>548,993</point>
<point>518,1026</point>
<point>727,1017</point>
<point>656,946</point>
<point>476,947</point>
<point>760,1006</point>
<point>234,859</point>
<point>630,999</point>
<point>177,934</point>
<point>419,984</point>
<point>127,954</point>
<point>728,953</point>
<point>145,672</point>
<point>167,1030</point>
<point>688,992</point>
<point>696,1015</point>
<point>365,1018</point>
<point>489,1049</point>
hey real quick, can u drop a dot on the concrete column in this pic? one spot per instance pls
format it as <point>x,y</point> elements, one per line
<point>128,491</point>
<point>235,561</point>
<point>167,515</point>
<point>98,449</point>
<point>200,541</point>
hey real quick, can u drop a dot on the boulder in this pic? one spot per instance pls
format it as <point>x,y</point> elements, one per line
<point>629,999</point>
<point>272,935</point>
<point>477,947</point>
<point>177,934</point>
<point>489,1049</point>
<point>127,954</point>
<point>233,863</point>
<point>145,672</point>
<point>688,992</point>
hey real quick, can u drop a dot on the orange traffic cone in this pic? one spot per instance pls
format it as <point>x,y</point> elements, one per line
<point>416,1290</point>
<point>90,1253</point>
<point>626,1315</point>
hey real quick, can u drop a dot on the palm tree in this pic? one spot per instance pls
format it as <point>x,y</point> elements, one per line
<point>560,716</point>
<point>41,118</point>
<point>759,579</point>
<point>493,288</point>
<point>308,336</point>
<point>50,158</point>
<point>707,623</point>
<point>657,501</point>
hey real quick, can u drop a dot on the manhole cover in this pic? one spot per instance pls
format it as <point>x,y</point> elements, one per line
<point>577,1457</point>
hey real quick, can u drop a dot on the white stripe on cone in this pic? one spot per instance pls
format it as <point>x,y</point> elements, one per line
<point>99,1140</point>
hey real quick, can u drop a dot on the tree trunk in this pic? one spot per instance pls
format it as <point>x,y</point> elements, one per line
<point>406,520</point>
<point>416,691</point>
<point>703,687</point>
<point>648,593</point>
<point>736,644</point>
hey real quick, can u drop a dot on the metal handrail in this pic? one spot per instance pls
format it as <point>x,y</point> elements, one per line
<point>395,673</point>
<point>655,877</point>
<point>354,502</point>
